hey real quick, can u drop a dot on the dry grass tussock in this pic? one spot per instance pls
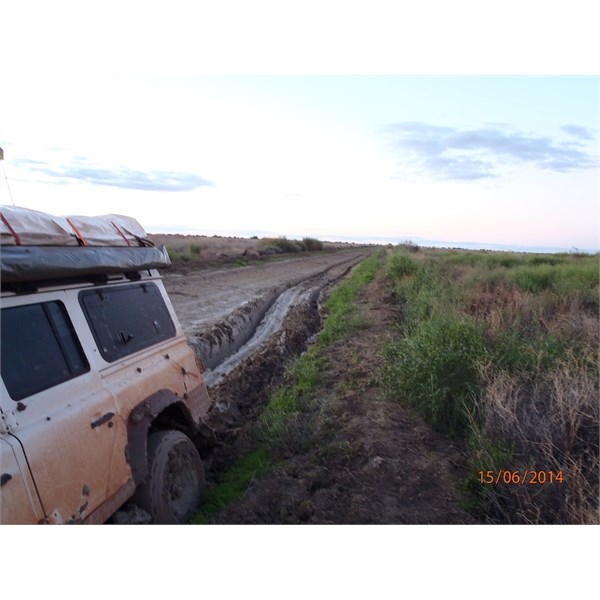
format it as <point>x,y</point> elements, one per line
<point>539,410</point>
<point>549,423</point>
<point>505,307</point>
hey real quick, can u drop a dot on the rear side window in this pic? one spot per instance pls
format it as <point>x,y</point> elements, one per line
<point>126,319</point>
<point>39,348</point>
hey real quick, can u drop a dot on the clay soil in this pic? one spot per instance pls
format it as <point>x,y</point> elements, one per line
<point>360,458</point>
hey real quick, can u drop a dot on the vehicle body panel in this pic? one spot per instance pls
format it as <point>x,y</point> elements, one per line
<point>18,489</point>
<point>78,437</point>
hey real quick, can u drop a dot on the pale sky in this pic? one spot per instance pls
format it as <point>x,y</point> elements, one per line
<point>136,107</point>
<point>488,160</point>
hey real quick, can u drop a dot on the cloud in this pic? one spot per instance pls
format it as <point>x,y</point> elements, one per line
<point>448,153</point>
<point>121,177</point>
<point>579,132</point>
<point>448,167</point>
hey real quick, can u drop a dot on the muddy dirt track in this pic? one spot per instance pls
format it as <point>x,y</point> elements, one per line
<point>229,313</point>
<point>203,298</point>
<point>362,459</point>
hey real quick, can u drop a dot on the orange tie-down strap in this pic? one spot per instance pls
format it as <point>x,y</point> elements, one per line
<point>120,233</point>
<point>13,232</point>
<point>77,233</point>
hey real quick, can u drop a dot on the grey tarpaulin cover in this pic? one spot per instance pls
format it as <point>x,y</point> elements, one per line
<point>27,227</point>
<point>31,263</point>
<point>37,246</point>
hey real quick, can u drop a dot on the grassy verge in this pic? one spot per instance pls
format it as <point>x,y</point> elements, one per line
<point>502,349</point>
<point>285,422</point>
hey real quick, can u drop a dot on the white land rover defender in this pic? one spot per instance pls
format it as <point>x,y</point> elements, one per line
<point>102,401</point>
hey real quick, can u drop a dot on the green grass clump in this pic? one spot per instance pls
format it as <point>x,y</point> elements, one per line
<point>232,485</point>
<point>535,279</point>
<point>283,424</point>
<point>562,278</point>
<point>401,265</point>
<point>436,370</point>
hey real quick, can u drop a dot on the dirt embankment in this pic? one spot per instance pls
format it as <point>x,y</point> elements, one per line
<point>360,458</point>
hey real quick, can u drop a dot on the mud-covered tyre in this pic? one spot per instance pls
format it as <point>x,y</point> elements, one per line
<point>175,480</point>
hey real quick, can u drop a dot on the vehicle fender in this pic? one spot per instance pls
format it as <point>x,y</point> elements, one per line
<point>142,418</point>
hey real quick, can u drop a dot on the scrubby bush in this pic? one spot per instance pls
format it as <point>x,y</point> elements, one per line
<point>288,245</point>
<point>280,244</point>
<point>312,244</point>
<point>410,246</point>
<point>284,245</point>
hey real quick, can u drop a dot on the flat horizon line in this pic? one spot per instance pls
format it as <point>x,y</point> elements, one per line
<point>384,240</point>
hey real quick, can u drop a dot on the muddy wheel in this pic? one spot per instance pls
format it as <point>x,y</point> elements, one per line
<point>175,479</point>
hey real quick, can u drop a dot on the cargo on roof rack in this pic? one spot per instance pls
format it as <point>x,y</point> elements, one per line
<point>26,227</point>
<point>40,246</point>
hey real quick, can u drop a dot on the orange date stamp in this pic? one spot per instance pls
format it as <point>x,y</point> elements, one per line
<point>527,477</point>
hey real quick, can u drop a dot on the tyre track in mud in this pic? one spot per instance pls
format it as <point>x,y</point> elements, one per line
<point>229,342</point>
<point>205,297</point>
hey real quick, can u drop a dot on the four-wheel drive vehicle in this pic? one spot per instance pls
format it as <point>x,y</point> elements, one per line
<point>102,400</point>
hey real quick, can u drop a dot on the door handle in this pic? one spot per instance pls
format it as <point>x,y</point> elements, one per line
<point>103,419</point>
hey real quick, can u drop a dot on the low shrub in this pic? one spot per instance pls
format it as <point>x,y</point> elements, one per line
<point>312,244</point>
<point>410,246</point>
<point>281,244</point>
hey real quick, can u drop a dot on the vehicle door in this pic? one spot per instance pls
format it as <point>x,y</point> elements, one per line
<point>57,408</point>
<point>19,502</point>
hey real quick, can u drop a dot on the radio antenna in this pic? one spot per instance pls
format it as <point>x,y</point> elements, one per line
<point>5,177</point>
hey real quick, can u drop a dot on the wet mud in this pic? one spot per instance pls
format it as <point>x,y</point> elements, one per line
<point>241,384</point>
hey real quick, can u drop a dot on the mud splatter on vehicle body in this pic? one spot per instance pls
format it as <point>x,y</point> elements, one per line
<point>95,366</point>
